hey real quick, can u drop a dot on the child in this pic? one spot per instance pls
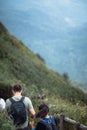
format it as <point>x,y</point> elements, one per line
<point>46,122</point>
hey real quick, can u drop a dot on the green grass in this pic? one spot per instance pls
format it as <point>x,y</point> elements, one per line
<point>18,64</point>
<point>76,112</point>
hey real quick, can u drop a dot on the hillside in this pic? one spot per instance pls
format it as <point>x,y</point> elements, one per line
<point>18,64</point>
<point>50,35</point>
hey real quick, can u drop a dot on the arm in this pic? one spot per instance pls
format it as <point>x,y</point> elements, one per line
<point>32,124</point>
<point>32,111</point>
<point>29,106</point>
<point>7,110</point>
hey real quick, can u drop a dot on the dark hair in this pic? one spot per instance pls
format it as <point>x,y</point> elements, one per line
<point>17,88</point>
<point>43,111</point>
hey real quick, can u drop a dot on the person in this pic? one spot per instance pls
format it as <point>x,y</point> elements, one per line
<point>17,96</point>
<point>2,104</point>
<point>47,122</point>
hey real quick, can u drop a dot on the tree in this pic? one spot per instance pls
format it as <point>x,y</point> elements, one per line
<point>42,59</point>
<point>65,76</point>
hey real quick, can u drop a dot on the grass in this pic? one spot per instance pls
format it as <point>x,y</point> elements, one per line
<point>19,65</point>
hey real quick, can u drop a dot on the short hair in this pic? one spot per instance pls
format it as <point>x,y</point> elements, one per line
<point>17,88</point>
<point>43,111</point>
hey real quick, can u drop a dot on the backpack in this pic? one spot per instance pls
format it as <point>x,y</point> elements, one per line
<point>18,111</point>
<point>50,124</point>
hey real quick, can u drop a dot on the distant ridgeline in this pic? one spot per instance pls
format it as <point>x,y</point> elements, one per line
<point>18,64</point>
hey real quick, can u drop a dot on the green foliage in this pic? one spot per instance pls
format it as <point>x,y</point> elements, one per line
<point>5,90</point>
<point>5,124</point>
<point>77,112</point>
<point>19,65</point>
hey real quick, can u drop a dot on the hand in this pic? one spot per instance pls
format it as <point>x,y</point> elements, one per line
<point>31,123</point>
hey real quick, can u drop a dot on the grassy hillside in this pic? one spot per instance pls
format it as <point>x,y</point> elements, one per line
<point>18,64</point>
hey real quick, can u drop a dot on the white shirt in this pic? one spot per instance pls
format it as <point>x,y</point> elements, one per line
<point>2,104</point>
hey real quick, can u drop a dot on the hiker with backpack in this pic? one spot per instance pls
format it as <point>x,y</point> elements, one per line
<point>47,122</point>
<point>18,107</point>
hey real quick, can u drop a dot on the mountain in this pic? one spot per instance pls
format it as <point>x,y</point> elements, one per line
<point>56,30</point>
<point>18,64</point>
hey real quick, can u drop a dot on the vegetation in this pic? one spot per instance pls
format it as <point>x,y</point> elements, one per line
<point>38,55</point>
<point>66,77</point>
<point>19,65</point>
<point>5,124</point>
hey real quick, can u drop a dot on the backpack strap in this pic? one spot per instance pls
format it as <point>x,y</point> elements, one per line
<point>51,119</point>
<point>22,99</point>
<point>12,100</point>
<point>46,123</point>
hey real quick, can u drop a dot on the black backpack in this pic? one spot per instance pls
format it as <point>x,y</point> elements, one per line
<point>51,124</point>
<point>18,111</point>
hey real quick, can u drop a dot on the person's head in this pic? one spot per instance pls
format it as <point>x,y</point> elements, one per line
<point>17,89</point>
<point>43,111</point>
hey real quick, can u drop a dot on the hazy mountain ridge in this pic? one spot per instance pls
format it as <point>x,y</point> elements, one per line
<point>51,34</point>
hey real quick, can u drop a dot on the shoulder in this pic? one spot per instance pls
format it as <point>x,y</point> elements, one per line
<point>53,119</point>
<point>2,104</point>
<point>27,99</point>
<point>8,101</point>
<point>28,103</point>
<point>2,100</point>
